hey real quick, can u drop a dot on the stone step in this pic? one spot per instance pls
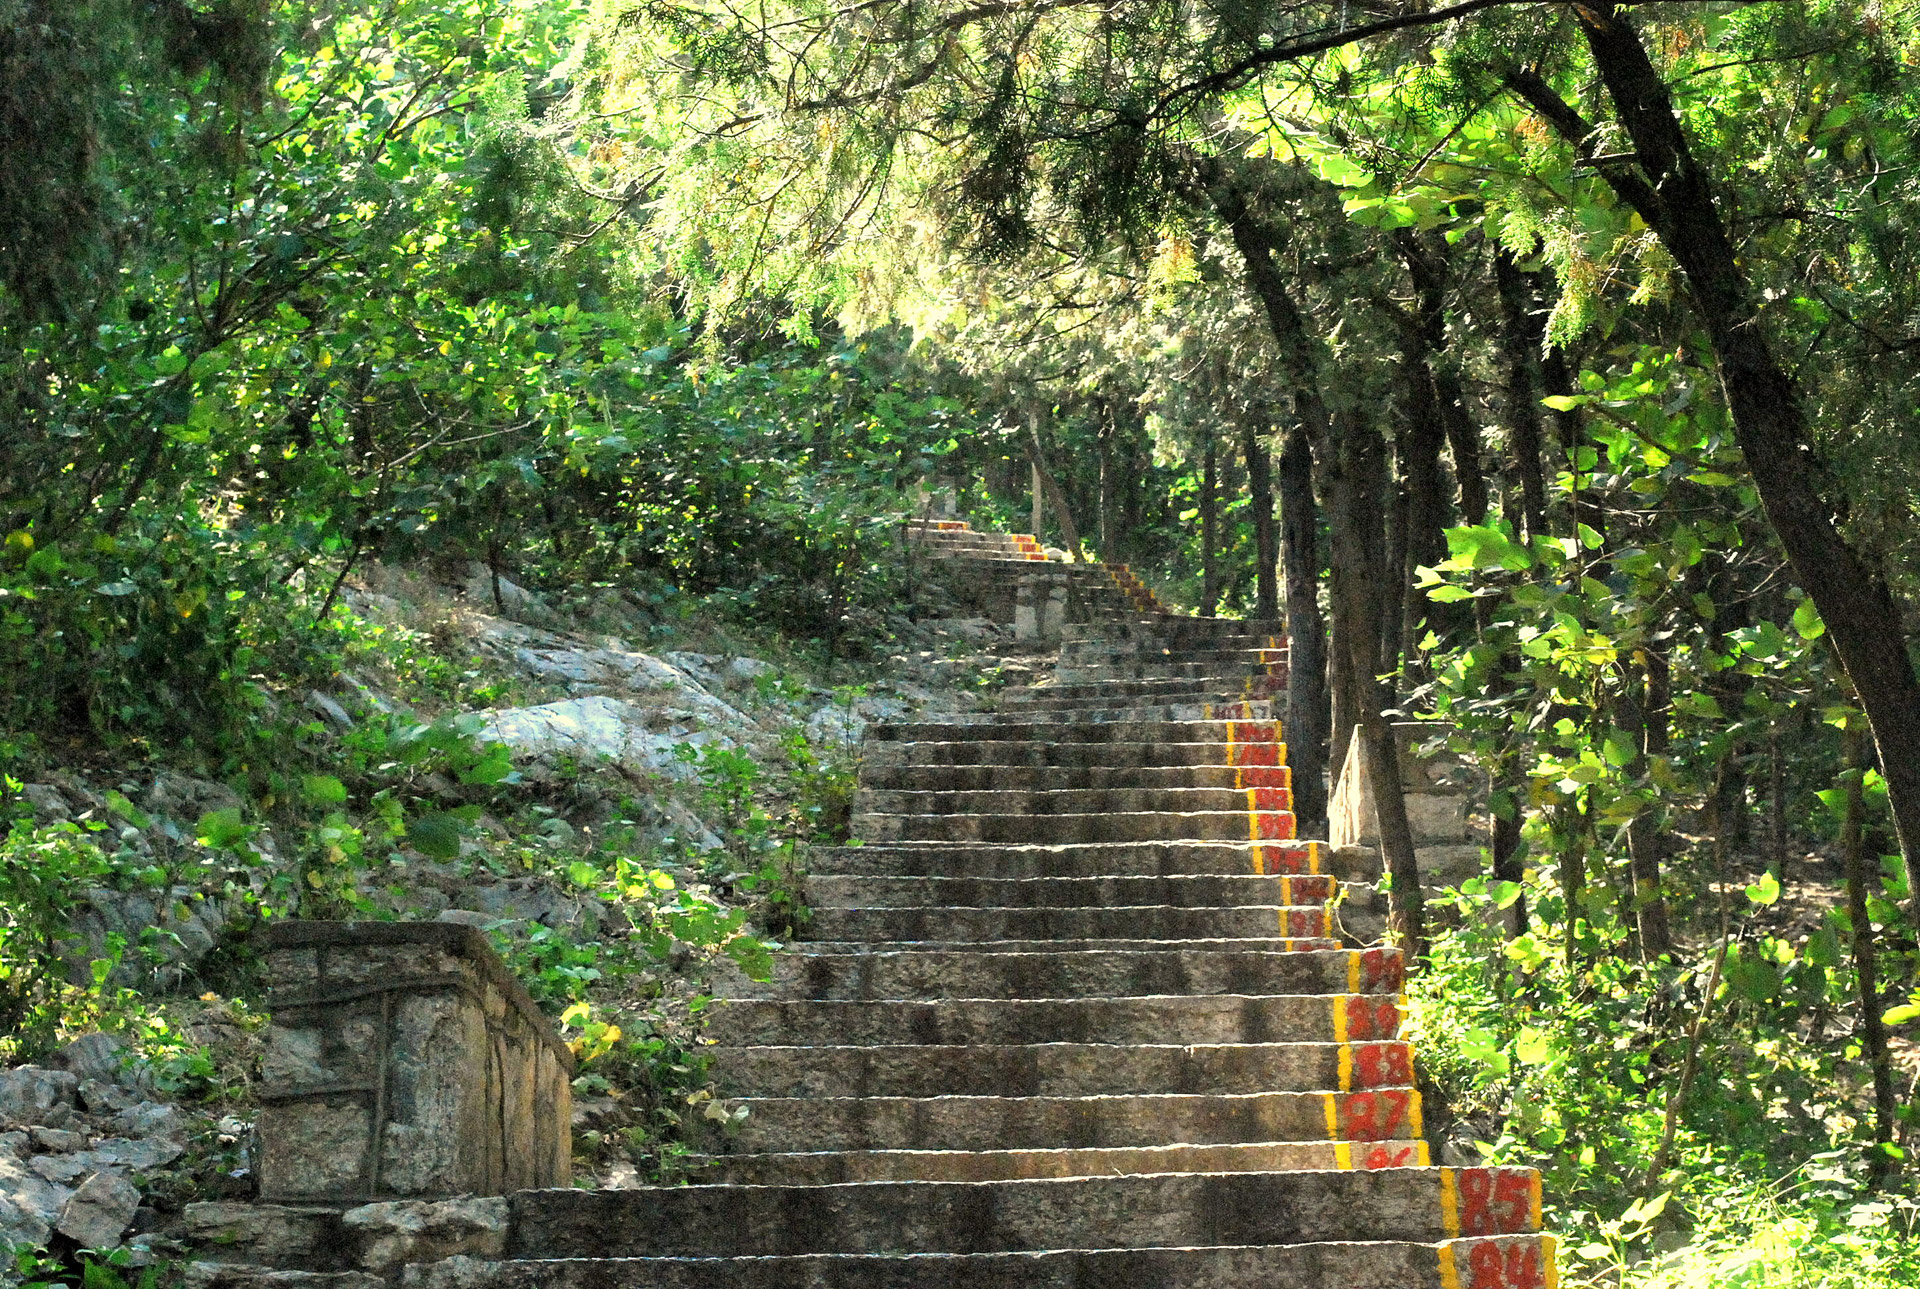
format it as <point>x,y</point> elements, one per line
<point>1020,729</point>
<point>1183,857</point>
<point>1061,1069</point>
<point>1217,670</point>
<point>947,1022</point>
<point>1219,825</point>
<point>1132,712</point>
<point>833,1167</point>
<point>1048,802</point>
<point>1232,652</point>
<point>1083,974</point>
<point>1165,1210</point>
<point>1147,922</point>
<point>1171,629</point>
<point>1523,1262</point>
<point>1054,778</point>
<point>1186,688</point>
<point>1180,696</point>
<point>993,750</point>
<point>1065,892</point>
<point>1102,944</point>
<point>1061,1123</point>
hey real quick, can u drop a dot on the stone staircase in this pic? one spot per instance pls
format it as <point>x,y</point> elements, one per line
<point>1075,1012</point>
<point>1078,1011</point>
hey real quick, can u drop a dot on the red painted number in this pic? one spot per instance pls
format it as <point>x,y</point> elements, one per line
<point>1494,1202</point>
<point>1377,1116</point>
<point>1389,1157</point>
<point>1382,971</point>
<point>1370,1018</point>
<point>1517,1266</point>
<point>1383,1064</point>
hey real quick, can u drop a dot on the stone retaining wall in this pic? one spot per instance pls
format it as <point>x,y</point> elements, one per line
<point>404,1062</point>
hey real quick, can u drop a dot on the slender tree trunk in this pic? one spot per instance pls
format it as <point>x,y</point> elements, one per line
<point>1646,835</point>
<point>1769,421</point>
<point>1521,336</point>
<point>1866,958</point>
<point>1776,809</point>
<point>1069,533</point>
<point>1209,529</point>
<point>1266,542</point>
<point>1307,710</point>
<point>1107,552</point>
<point>1355,511</point>
<point>1039,504</point>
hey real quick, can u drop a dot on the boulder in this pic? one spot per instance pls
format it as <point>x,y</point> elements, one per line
<point>32,1095</point>
<point>395,1232</point>
<point>99,1213</point>
<point>21,1225</point>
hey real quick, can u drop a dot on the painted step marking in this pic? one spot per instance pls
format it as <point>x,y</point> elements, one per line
<point>1357,1018</point>
<point>1500,1264</point>
<point>1489,1201</point>
<point>1381,1114</point>
<point>1368,1157</point>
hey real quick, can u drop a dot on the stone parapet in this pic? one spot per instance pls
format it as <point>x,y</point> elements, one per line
<point>404,1062</point>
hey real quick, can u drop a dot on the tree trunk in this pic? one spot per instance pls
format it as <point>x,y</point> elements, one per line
<point>1521,336</point>
<point>1266,543</point>
<point>1069,534</point>
<point>1307,711</point>
<point>1039,503</point>
<point>1866,965</point>
<point>1770,424</point>
<point>1210,529</point>
<point>1354,508</point>
<point>1646,835</point>
<point>1107,550</point>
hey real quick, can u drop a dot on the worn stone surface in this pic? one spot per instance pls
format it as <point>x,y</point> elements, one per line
<point>274,1235</point>
<point>99,1213</point>
<point>404,1061</point>
<point>396,1232</point>
<point>215,1275</point>
<point>30,1094</point>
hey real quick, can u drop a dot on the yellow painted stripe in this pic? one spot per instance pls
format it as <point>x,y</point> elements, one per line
<point>1420,1153</point>
<point>1339,1019</point>
<point>1413,1113</point>
<point>1326,920</point>
<point>1313,857</point>
<point>1346,1068</point>
<point>1253,815</point>
<point>1449,1204</point>
<point>1260,861</point>
<point>1533,1198</point>
<point>1333,1115</point>
<point>1449,1273</point>
<point>1353,971</point>
<point>1342,1156</point>
<point>1550,1260</point>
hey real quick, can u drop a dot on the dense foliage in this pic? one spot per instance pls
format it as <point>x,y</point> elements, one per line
<point>1589,442</point>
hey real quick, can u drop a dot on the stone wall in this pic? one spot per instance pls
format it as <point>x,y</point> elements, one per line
<point>1443,799</point>
<point>404,1062</point>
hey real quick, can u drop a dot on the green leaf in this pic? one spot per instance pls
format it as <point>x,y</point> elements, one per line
<point>436,835</point>
<point>1765,891</point>
<point>1902,1014</point>
<point>1483,546</point>
<point>1566,402</point>
<point>1806,621</point>
<point>1533,1047</point>
<point>223,829</point>
<point>323,790</point>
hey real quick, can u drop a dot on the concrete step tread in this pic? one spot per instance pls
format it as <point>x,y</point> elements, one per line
<point>1130,1211</point>
<point>829,1167</point>
<point>1349,1264</point>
